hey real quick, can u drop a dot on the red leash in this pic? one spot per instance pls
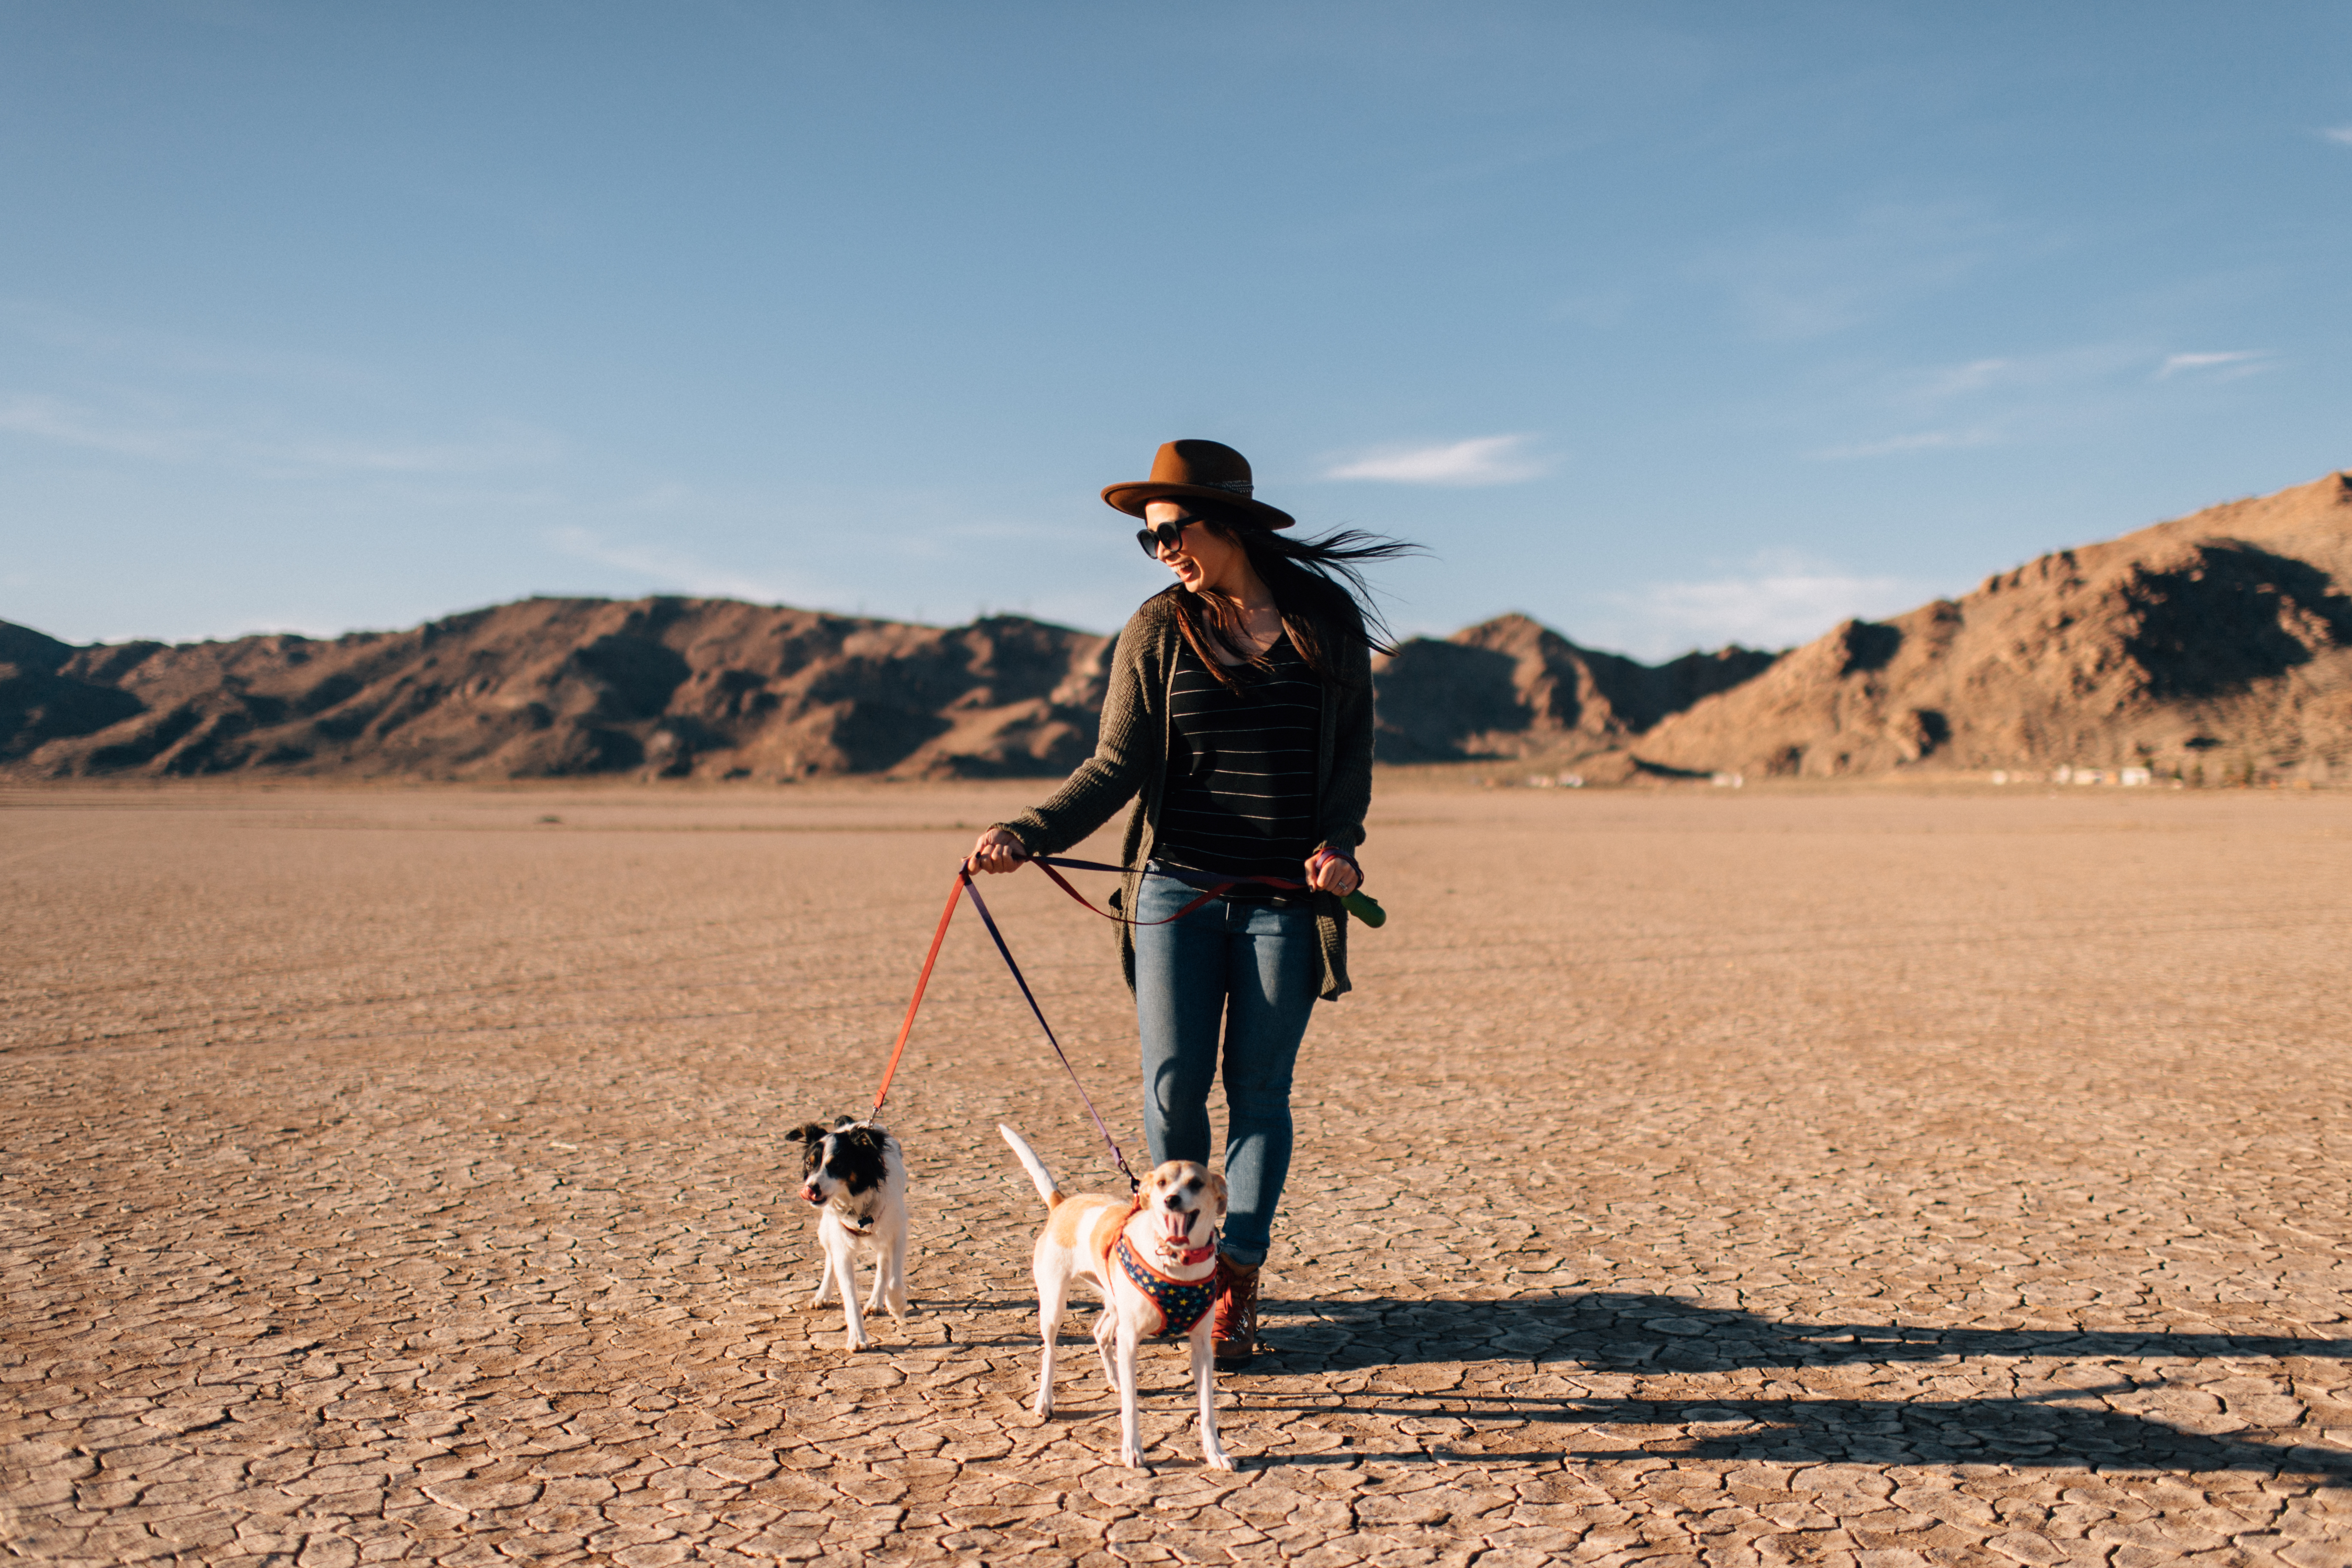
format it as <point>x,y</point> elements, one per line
<point>964,884</point>
<point>1362,908</point>
<point>1046,863</point>
<point>962,881</point>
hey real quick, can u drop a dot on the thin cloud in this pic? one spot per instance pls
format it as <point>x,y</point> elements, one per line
<point>1918,441</point>
<point>53,420</point>
<point>1482,460</point>
<point>665,568</point>
<point>2341,134</point>
<point>522,448</point>
<point>1794,284</point>
<point>1960,380</point>
<point>1602,311</point>
<point>1991,401</point>
<point>1778,602</point>
<point>2232,365</point>
<point>2011,376</point>
<point>142,353</point>
<point>161,439</point>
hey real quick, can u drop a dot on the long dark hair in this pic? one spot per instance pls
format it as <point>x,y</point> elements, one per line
<point>1317,585</point>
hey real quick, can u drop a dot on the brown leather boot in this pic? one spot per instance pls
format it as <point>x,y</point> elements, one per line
<point>1234,1338</point>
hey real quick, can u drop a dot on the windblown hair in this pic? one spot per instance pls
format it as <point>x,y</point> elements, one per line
<point>1317,583</point>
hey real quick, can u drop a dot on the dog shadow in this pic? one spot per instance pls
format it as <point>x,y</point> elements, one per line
<point>1628,1333</point>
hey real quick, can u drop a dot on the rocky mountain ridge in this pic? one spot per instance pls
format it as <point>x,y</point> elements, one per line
<point>1512,687</point>
<point>2215,646</point>
<point>679,688</point>
<point>2219,642</point>
<point>557,688</point>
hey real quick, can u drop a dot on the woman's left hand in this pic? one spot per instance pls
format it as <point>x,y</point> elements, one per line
<point>1330,872</point>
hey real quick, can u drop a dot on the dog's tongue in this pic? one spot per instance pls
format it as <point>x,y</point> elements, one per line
<point>1179,1227</point>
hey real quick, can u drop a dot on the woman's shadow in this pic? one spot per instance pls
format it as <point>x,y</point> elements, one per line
<point>1627,1334</point>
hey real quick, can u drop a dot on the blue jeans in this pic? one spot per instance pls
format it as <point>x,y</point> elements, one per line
<point>1250,969</point>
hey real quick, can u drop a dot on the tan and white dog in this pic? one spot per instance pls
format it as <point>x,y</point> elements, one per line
<point>1153,1258</point>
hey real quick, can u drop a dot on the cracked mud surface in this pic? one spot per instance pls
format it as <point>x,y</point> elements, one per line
<point>1854,1178</point>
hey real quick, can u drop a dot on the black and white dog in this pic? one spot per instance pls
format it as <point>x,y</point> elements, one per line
<point>853,1174</point>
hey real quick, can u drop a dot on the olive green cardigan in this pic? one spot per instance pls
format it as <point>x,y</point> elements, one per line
<point>1130,762</point>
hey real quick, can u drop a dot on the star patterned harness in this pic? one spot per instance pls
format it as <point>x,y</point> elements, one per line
<point>1180,1302</point>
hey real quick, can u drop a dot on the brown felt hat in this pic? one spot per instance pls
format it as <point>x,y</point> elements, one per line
<point>1199,470</point>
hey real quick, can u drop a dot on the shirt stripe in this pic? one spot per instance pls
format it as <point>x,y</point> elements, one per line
<point>1241,766</point>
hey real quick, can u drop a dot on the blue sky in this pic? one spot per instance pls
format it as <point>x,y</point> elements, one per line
<point>1669,324</point>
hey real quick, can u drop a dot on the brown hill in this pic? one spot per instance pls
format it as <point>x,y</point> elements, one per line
<point>1512,687</point>
<point>2217,645</point>
<point>717,688</point>
<point>554,687</point>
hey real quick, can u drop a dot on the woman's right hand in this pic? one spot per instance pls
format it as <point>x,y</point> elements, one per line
<point>998,850</point>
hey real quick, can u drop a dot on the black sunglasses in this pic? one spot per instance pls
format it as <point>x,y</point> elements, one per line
<point>1162,536</point>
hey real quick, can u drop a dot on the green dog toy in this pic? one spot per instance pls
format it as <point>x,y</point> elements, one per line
<point>1361,906</point>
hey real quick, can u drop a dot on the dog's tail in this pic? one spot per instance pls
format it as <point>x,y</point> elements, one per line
<point>1033,1166</point>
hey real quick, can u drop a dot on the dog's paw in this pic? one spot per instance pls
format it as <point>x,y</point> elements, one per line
<point>1132,1457</point>
<point>1218,1459</point>
<point>855,1342</point>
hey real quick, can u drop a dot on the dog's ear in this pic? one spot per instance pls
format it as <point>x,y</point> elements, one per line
<point>1217,1192</point>
<point>808,1132</point>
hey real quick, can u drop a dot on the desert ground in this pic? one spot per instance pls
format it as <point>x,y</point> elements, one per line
<point>1877,1175</point>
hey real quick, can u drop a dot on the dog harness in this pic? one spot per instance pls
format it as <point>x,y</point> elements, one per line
<point>1181,1302</point>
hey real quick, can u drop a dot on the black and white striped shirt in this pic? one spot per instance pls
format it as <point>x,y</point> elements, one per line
<point>1241,767</point>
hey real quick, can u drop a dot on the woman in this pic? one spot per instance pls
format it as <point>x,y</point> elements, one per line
<point>1239,719</point>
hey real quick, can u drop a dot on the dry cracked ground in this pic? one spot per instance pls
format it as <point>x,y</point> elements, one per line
<point>1877,1177</point>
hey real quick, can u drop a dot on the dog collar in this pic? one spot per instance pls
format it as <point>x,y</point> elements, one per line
<point>1182,1257</point>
